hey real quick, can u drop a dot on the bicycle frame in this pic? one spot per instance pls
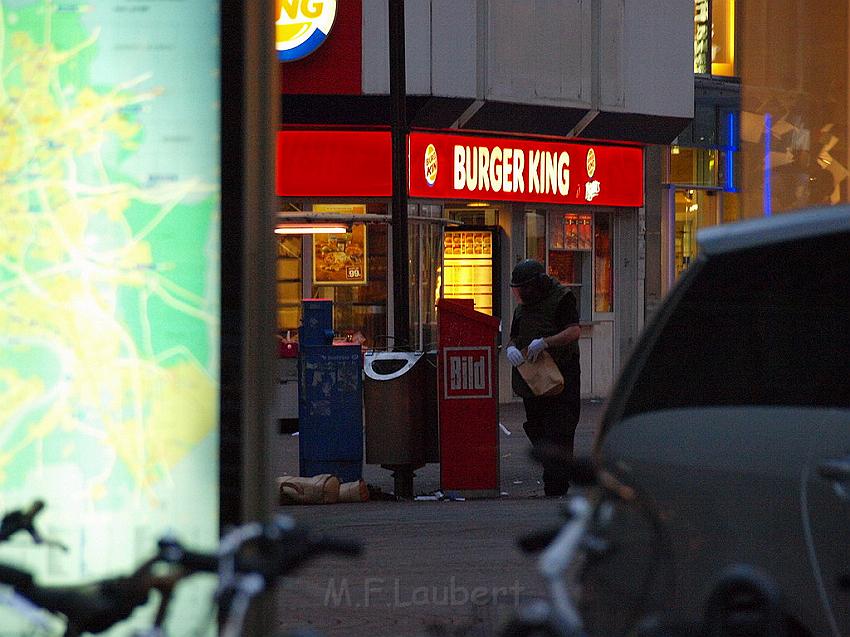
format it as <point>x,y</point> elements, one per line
<point>556,559</point>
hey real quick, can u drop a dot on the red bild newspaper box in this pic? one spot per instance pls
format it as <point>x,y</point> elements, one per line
<point>469,402</point>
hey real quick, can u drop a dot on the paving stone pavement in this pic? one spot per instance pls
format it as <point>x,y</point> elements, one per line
<point>428,568</point>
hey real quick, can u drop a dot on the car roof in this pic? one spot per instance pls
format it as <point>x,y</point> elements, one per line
<point>734,237</point>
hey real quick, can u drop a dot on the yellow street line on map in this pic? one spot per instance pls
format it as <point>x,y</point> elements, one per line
<point>137,393</point>
<point>179,290</point>
<point>48,423</point>
<point>144,314</point>
<point>66,55</point>
<point>50,216</point>
<point>24,278</point>
<point>181,353</point>
<point>157,289</point>
<point>163,212</point>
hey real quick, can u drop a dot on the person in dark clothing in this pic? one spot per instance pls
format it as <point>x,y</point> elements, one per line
<point>546,318</point>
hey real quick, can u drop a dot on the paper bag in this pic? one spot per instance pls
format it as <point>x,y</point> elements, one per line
<point>542,376</point>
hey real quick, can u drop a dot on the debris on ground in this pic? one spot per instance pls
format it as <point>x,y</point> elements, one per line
<point>439,496</point>
<point>426,498</point>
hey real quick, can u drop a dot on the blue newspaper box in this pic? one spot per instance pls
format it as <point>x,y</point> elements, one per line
<point>317,322</point>
<point>330,398</point>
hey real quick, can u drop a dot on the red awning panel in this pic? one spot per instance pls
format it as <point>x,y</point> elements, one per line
<point>334,163</point>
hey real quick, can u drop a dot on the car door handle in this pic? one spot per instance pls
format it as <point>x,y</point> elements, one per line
<point>835,469</point>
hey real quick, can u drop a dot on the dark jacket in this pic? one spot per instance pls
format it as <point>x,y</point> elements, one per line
<point>540,319</point>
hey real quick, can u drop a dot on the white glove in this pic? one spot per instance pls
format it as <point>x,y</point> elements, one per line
<point>515,356</point>
<point>534,349</point>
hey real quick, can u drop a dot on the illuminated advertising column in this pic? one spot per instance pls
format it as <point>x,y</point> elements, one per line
<point>109,281</point>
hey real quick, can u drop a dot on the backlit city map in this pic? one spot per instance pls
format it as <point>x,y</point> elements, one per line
<point>109,281</point>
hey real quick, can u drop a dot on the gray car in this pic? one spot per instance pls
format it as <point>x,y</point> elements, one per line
<point>732,417</point>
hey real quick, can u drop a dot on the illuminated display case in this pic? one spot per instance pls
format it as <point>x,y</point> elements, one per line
<point>470,266</point>
<point>569,254</point>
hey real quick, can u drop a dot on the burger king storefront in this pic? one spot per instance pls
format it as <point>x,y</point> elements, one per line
<point>477,205</point>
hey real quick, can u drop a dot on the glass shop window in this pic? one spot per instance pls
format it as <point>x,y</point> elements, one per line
<point>289,288</point>
<point>603,257</point>
<point>569,255</point>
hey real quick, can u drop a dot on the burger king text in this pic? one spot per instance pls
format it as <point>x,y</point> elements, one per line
<point>500,169</point>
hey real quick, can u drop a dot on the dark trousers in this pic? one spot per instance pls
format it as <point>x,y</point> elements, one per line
<point>552,420</point>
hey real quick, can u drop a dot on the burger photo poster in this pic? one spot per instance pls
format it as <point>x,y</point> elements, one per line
<point>340,259</point>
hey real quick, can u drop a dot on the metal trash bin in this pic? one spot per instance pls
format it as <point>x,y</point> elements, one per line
<point>394,391</point>
<point>432,413</point>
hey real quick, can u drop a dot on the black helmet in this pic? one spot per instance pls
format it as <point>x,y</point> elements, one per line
<point>527,271</point>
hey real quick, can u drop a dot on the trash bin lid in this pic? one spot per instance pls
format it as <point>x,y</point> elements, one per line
<point>389,365</point>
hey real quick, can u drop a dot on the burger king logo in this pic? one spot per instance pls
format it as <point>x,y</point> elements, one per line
<point>431,164</point>
<point>591,188</point>
<point>591,163</point>
<point>302,26</point>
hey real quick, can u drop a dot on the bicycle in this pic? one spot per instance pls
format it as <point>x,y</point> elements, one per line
<point>95,606</point>
<point>744,602</point>
<point>562,550</point>
<point>251,557</point>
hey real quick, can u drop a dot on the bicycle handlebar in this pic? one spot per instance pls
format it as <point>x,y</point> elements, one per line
<point>268,551</point>
<point>171,551</point>
<point>97,606</point>
<point>14,577</point>
<point>282,547</point>
<point>90,607</point>
<point>270,554</point>
<point>21,520</point>
<point>252,557</point>
<point>24,520</point>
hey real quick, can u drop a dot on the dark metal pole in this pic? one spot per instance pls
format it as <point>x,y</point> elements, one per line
<point>403,474</point>
<point>400,249</point>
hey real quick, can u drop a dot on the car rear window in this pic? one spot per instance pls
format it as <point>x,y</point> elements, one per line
<point>768,326</point>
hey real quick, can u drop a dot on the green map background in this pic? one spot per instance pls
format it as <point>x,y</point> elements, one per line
<point>109,283</point>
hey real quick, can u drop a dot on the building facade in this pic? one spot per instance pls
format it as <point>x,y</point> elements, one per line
<point>528,123</point>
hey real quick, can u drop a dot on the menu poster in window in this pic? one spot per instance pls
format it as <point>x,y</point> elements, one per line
<point>340,259</point>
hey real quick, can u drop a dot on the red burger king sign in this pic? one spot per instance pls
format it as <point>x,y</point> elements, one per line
<point>508,169</point>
